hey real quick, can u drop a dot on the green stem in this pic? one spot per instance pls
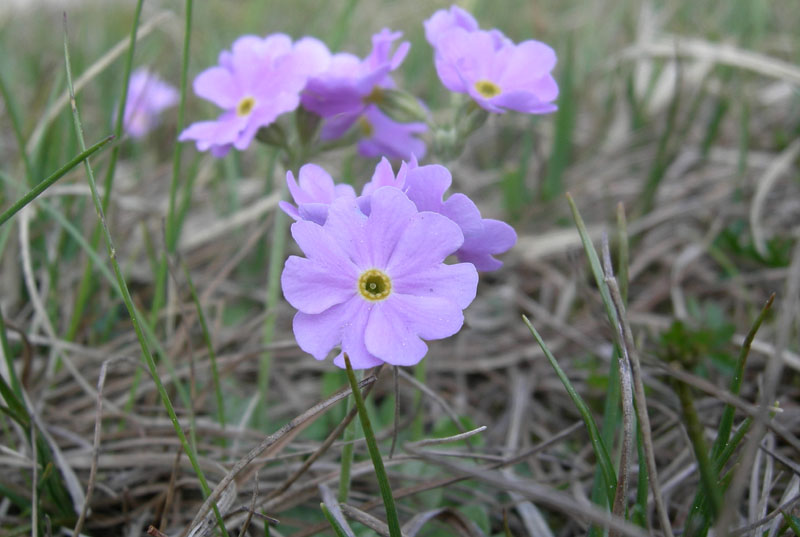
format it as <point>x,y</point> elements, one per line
<point>350,434</point>
<point>695,430</point>
<point>58,174</point>
<point>374,453</point>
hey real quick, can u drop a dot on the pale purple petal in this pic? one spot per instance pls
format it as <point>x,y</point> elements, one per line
<point>318,244</point>
<point>426,241</point>
<point>216,84</point>
<point>390,338</point>
<point>457,283</point>
<point>391,215</point>
<point>289,209</point>
<point>353,339</point>
<point>347,225</point>
<point>463,211</point>
<point>429,317</point>
<point>495,238</point>
<point>390,138</point>
<point>314,212</point>
<point>383,176</point>
<point>426,185</point>
<point>317,334</point>
<point>445,20</point>
<point>313,286</point>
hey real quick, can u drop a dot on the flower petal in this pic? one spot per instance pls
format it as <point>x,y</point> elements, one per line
<point>426,241</point>
<point>353,338</point>
<point>495,238</point>
<point>217,85</point>
<point>457,283</point>
<point>390,214</point>
<point>430,317</point>
<point>346,224</point>
<point>317,334</point>
<point>426,186</point>
<point>313,287</point>
<point>389,337</point>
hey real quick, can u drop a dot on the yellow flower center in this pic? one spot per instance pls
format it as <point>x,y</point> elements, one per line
<point>374,285</point>
<point>245,106</point>
<point>487,89</point>
<point>366,127</point>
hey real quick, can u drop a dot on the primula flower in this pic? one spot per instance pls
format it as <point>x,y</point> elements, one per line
<point>342,89</point>
<point>498,74</point>
<point>254,83</point>
<point>380,134</point>
<point>376,285</point>
<point>314,194</point>
<point>426,186</point>
<point>148,96</point>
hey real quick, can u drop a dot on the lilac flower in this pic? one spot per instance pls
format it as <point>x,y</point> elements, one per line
<point>426,186</point>
<point>443,21</point>
<point>498,74</point>
<point>343,88</point>
<point>376,285</point>
<point>380,135</point>
<point>314,194</point>
<point>257,81</point>
<point>148,96</point>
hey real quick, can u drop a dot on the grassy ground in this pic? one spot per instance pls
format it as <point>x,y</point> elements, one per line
<point>682,116</point>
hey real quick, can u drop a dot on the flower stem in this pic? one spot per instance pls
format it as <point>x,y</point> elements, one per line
<point>350,434</point>
<point>374,454</point>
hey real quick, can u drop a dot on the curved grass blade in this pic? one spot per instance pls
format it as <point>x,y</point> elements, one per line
<point>599,446</point>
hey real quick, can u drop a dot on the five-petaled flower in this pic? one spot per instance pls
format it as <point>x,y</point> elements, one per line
<point>377,286</point>
<point>496,73</point>
<point>256,82</point>
<point>148,96</point>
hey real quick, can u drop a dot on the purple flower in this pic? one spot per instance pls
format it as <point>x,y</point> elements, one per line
<point>254,83</point>
<point>380,134</point>
<point>148,96</point>
<point>343,88</point>
<point>426,186</point>
<point>376,285</point>
<point>443,21</point>
<point>314,194</point>
<point>498,74</point>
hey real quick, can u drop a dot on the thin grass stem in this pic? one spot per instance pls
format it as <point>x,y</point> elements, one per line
<point>374,453</point>
<point>127,297</point>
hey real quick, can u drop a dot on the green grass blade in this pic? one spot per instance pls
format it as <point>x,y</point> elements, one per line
<point>594,262</point>
<point>726,421</point>
<point>172,223</point>
<point>694,428</point>
<point>374,454</point>
<point>599,446</point>
<point>148,357</point>
<point>337,529</point>
<point>55,176</point>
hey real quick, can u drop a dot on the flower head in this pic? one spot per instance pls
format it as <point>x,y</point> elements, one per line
<point>380,135</point>
<point>498,74</point>
<point>376,285</point>
<point>148,96</point>
<point>426,186</point>
<point>314,194</point>
<point>342,89</point>
<point>254,83</point>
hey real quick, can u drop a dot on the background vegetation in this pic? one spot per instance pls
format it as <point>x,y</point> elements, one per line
<point>677,135</point>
